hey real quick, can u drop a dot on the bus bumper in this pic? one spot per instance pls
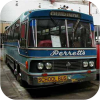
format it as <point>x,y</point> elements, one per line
<point>39,80</point>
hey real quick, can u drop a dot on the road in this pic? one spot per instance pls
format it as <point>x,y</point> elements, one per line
<point>13,90</point>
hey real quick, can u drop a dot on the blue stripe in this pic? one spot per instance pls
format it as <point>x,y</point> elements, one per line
<point>62,53</point>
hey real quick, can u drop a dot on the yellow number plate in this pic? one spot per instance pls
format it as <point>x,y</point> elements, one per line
<point>52,79</point>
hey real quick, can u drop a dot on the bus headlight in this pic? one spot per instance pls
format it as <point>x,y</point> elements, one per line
<point>40,66</point>
<point>85,64</point>
<point>91,63</point>
<point>48,65</point>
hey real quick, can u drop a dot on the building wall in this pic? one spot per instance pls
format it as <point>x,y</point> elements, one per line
<point>3,25</point>
<point>82,1</point>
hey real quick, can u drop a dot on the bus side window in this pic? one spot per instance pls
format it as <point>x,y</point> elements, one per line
<point>16,30</point>
<point>11,33</point>
<point>23,35</point>
<point>4,36</point>
<point>8,34</point>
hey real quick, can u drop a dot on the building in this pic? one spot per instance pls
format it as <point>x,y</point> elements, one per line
<point>9,11</point>
<point>3,25</point>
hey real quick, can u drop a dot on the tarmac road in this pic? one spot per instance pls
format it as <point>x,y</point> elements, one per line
<point>13,90</point>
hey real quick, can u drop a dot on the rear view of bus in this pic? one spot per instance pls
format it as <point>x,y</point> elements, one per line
<point>55,47</point>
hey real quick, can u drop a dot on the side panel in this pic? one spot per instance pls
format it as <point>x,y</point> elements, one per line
<point>12,52</point>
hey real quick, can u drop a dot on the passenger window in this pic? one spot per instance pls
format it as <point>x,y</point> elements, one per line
<point>11,31</point>
<point>23,34</point>
<point>16,31</point>
<point>23,31</point>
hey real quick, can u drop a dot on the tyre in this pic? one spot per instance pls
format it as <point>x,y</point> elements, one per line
<point>19,76</point>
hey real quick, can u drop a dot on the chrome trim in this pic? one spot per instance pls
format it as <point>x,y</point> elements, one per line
<point>33,33</point>
<point>63,57</point>
<point>64,72</point>
<point>53,48</point>
<point>53,58</point>
<point>36,31</point>
<point>67,37</point>
<point>60,48</point>
<point>27,24</point>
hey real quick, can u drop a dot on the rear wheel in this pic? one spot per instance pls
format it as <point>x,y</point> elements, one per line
<point>19,79</point>
<point>15,68</point>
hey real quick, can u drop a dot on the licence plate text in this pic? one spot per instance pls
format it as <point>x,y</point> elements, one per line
<point>52,79</point>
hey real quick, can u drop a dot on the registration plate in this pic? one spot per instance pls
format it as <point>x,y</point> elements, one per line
<point>52,79</point>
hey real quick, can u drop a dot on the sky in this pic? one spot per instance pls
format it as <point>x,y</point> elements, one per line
<point>11,12</point>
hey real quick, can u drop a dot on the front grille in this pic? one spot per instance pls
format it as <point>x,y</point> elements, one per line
<point>67,65</point>
<point>58,65</point>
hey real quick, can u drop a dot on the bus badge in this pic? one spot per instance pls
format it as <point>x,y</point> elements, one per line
<point>68,64</point>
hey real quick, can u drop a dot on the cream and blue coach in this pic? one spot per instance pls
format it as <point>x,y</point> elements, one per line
<point>50,47</point>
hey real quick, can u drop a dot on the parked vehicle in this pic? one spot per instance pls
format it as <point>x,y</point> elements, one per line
<point>50,47</point>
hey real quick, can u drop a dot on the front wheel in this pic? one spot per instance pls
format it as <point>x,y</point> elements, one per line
<point>18,74</point>
<point>19,79</point>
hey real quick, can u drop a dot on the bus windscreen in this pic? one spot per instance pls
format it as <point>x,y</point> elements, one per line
<point>55,33</point>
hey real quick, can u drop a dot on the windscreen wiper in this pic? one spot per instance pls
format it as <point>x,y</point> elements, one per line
<point>75,27</point>
<point>53,21</point>
<point>74,30</point>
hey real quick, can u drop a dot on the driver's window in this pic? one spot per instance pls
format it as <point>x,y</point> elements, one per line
<point>79,37</point>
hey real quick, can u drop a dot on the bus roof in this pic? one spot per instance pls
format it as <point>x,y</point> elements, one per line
<point>46,13</point>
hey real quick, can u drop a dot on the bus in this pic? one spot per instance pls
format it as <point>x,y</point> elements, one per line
<point>49,47</point>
